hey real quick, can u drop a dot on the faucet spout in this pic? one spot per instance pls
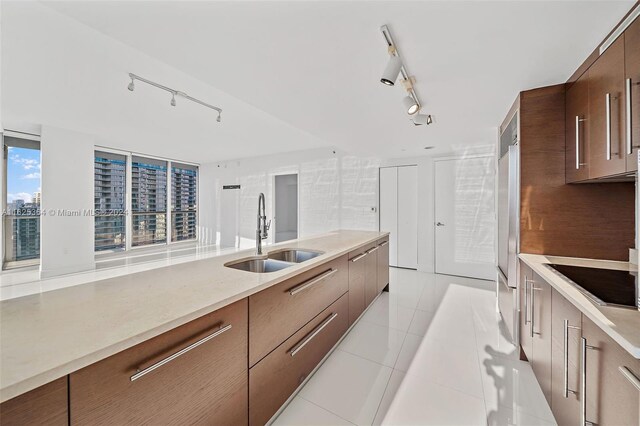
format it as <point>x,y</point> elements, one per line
<point>262,228</point>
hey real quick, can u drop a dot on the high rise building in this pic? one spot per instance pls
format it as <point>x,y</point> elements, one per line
<point>26,230</point>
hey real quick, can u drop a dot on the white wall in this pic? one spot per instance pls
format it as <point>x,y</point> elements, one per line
<point>67,227</point>
<point>336,190</point>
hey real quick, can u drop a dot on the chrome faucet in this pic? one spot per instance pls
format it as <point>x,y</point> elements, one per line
<point>263,226</point>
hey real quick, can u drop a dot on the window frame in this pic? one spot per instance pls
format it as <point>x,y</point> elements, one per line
<point>129,247</point>
<point>30,139</point>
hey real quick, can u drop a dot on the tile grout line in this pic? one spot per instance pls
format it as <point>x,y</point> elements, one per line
<point>323,408</point>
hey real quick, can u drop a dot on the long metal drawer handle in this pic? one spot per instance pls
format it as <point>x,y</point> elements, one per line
<point>533,311</point>
<point>583,384</point>
<point>297,348</point>
<point>628,374</point>
<point>627,88</point>
<point>358,257</point>
<point>608,118</point>
<point>566,358</point>
<point>181,352</point>
<point>384,243</point>
<point>526,300</point>
<point>371,250</point>
<point>315,280</point>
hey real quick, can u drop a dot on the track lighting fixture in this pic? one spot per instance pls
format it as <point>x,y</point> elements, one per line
<point>395,67</point>
<point>391,71</point>
<point>421,119</point>
<point>173,92</point>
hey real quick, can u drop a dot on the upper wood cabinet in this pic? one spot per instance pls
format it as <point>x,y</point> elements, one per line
<point>197,374</point>
<point>632,91</point>
<point>577,130</point>
<point>606,113</point>
<point>47,405</point>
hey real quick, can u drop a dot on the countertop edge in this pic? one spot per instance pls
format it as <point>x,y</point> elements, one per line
<point>25,385</point>
<point>580,301</point>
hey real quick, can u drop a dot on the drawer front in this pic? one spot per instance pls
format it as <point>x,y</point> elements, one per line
<point>383,263</point>
<point>205,385</point>
<point>371,273</point>
<point>357,283</point>
<point>276,377</point>
<point>46,405</point>
<point>280,311</point>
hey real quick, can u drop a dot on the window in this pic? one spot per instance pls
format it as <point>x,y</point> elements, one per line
<point>22,202</point>
<point>110,201</point>
<point>148,201</point>
<point>184,190</point>
<point>133,205</point>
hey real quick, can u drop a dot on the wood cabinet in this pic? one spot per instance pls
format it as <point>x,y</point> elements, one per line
<point>606,113</point>
<point>46,405</point>
<point>281,310</point>
<point>611,397</point>
<point>205,385</point>
<point>279,374</point>
<point>383,264</point>
<point>540,323</point>
<point>577,130</point>
<point>566,322</point>
<point>370,274</point>
<point>356,284</point>
<point>632,92</point>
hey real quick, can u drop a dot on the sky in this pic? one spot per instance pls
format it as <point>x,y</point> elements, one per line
<point>23,174</point>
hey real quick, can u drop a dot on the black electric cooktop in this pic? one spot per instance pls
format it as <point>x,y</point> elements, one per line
<point>608,286</point>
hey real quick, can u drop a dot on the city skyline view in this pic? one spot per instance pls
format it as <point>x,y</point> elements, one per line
<point>23,174</point>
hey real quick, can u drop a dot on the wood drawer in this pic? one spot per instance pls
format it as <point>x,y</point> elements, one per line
<point>46,405</point>
<point>276,313</point>
<point>357,282</point>
<point>206,385</point>
<point>383,263</point>
<point>277,376</point>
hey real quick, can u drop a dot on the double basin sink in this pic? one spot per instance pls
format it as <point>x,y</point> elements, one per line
<point>273,261</point>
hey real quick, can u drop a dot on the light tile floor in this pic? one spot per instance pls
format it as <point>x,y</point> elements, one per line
<point>432,351</point>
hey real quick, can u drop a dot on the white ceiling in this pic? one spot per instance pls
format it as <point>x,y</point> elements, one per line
<point>316,65</point>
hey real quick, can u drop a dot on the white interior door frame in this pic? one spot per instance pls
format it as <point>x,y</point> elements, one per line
<point>273,206</point>
<point>435,161</point>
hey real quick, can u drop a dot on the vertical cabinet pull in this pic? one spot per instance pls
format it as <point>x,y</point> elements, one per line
<point>632,378</point>
<point>583,384</point>
<point>181,352</point>
<point>578,121</point>
<point>608,120</point>
<point>627,109</point>
<point>526,300</point>
<point>533,312</point>
<point>566,358</point>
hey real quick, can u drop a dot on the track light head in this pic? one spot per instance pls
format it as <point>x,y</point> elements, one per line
<point>420,119</point>
<point>173,99</point>
<point>391,71</point>
<point>410,104</point>
<point>131,86</point>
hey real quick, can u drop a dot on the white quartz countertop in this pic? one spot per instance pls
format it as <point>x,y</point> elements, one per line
<point>48,335</point>
<point>621,324</point>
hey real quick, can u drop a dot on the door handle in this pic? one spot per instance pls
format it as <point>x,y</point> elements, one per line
<point>566,358</point>
<point>583,387</point>
<point>578,163</point>
<point>627,109</point>
<point>608,122</point>
<point>439,224</point>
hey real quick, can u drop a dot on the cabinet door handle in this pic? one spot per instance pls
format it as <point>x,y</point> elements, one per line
<point>526,300</point>
<point>358,257</point>
<point>315,280</point>
<point>372,250</point>
<point>384,243</point>
<point>628,374</point>
<point>627,109</point>
<point>578,163</point>
<point>608,120</point>
<point>566,358</point>
<point>583,384</point>
<point>532,289</point>
<point>297,348</point>
<point>181,352</point>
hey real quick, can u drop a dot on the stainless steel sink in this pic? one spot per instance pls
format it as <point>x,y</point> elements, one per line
<point>293,255</point>
<point>259,265</point>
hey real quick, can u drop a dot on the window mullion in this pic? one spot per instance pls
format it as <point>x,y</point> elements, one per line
<point>129,216</point>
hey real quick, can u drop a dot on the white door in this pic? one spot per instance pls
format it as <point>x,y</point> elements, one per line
<point>465,217</point>
<point>389,209</point>
<point>408,217</point>
<point>286,208</point>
